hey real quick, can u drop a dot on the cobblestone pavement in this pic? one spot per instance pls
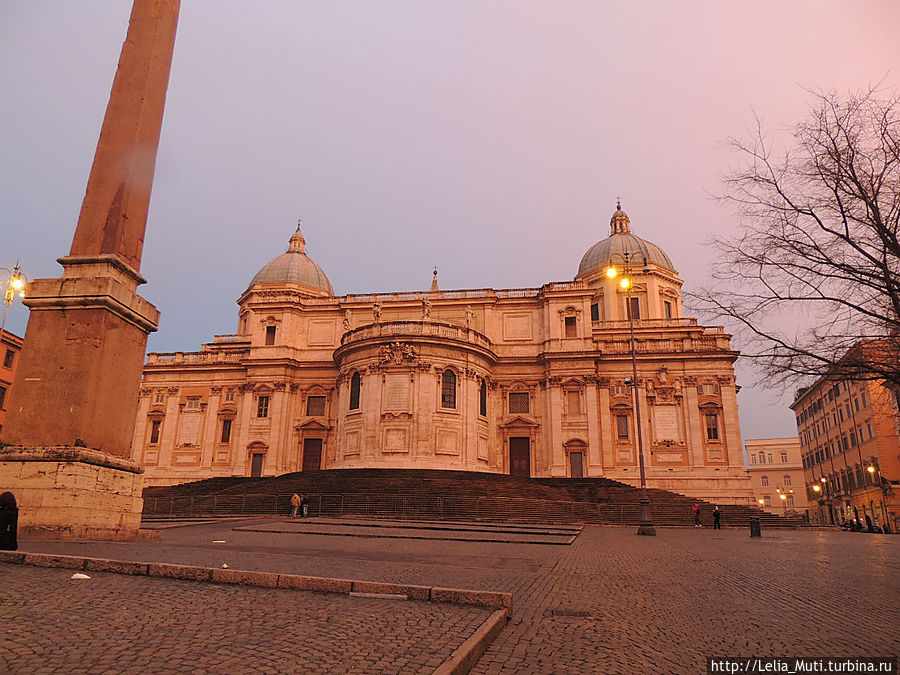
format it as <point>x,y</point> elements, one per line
<point>120,624</point>
<point>612,602</point>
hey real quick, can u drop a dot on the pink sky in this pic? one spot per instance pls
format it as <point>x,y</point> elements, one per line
<point>488,138</point>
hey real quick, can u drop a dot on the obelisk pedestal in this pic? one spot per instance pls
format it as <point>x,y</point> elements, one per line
<point>75,394</point>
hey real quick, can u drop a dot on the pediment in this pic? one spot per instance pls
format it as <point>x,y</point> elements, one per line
<point>519,422</point>
<point>313,425</point>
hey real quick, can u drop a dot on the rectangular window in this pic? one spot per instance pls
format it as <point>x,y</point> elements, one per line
<point>154,430</point>
<point>869,429</point>
<point>667,309</point>
<point>315,406</point>
<point>771,459</point>
<point>270,335</point>
<point>634,308</point>
<point>595,312</point>
<point>159,398</point>
<point>571,328</point>
<point>623,428</point>
<point>841,414</point>
<point>856,403</point>
<point>865,401</point>
<point>764,481</point>
<point>753,459</point>
<point>8,359</point>
<point>448,390</point>
<point>786,480</point>
<point>226,431</point>
<point>712,427</point>
<point>193,403</point>
<point>852,439</point>
<point>518,402</point>
<point>482,399</point>
<point>790,500</point>
<point>784,458</point>
<point>2,397</point>
<point>767,500</point>
<point>708,388</point>
<point>262,406</point>
<point>762,458</point>
<point>574,401</point>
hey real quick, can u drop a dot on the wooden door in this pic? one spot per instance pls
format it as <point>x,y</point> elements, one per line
<point>520,456</point>
<point>312,454</point>
<point>256,464</point>
<point>576,465</point>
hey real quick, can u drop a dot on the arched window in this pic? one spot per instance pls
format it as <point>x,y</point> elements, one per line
<point>448,389</point>
<point>354,391</point>
<point>482,399</point>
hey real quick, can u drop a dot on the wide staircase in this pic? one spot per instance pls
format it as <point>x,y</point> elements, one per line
<point>441,495</point>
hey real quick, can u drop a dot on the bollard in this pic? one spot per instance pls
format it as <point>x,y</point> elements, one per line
<point>754,527</point>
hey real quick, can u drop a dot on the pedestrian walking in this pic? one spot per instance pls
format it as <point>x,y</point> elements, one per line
<point>295,504</point>
<point>697,515</point>
<point>9,522</point>
<point>304,505</point>
<point>717,517</point>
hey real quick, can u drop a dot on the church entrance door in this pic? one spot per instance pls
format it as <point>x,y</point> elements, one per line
<point>520,456</point>
<point>576,465</point>
<point>256,462</point>
<point>312,454</point>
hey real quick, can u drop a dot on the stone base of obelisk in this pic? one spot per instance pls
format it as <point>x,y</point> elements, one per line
<point>66,492</point>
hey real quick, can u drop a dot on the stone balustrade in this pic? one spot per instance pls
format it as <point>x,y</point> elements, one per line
<point>189,358</point>
<point>439,329</point>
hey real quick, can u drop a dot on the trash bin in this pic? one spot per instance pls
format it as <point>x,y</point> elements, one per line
<point>754,527</point>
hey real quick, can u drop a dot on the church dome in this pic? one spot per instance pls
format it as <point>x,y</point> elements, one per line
<point>619,242</point>
<point>294,267</point>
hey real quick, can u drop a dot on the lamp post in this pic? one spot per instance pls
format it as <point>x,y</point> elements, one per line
<point>15,283</point>
<point>645,527</point>
<point>817,490</point>
<point>885,488</point>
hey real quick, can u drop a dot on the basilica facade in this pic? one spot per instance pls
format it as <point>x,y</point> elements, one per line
<point>528,381</point>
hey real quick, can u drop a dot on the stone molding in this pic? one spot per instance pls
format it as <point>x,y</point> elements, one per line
<point>67,453</point>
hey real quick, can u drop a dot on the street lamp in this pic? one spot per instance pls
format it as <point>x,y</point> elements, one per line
<point>885,488</point>
<point>15,283</point>
<point>645,527</point>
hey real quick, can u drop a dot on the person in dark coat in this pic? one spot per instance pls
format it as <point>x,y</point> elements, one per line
<point>717,518</point>
<point>9,522</point>
<point>304,505</point>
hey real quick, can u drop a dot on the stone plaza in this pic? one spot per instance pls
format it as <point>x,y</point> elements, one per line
<point>608,602</point>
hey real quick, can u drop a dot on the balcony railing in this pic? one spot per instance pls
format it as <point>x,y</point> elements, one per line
<point>398,329</point>
<point>192,358</point>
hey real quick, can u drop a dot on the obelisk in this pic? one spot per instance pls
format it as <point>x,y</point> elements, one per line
<point>75,395</point>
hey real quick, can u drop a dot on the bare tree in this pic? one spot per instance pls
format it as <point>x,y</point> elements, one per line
<point>815,267</point>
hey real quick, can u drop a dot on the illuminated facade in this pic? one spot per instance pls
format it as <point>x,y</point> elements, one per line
<point>851,451</point>
<point>776,475</point>
<point>531,381</point>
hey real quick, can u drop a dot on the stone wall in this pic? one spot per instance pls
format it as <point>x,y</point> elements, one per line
<point>69,492</point>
